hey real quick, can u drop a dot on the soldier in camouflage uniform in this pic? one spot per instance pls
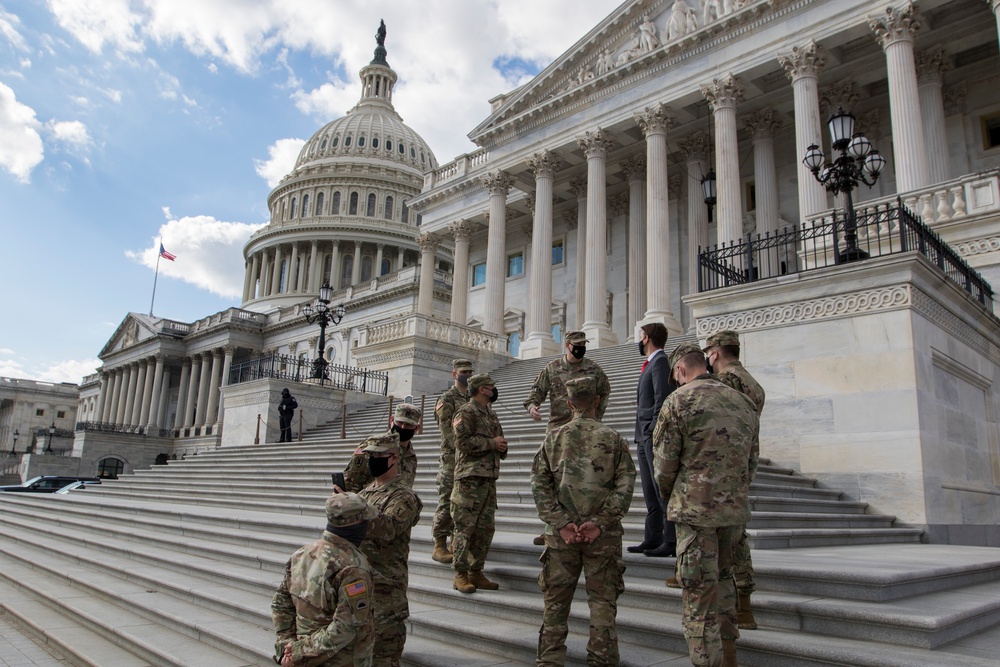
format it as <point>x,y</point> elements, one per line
<point>705,454</point>
<point>583,480</point>
<point>479,448</point>
<point>723,353</point>
<point>322,608</point>
<point>387,546</point>
<point>444,411</point>
<point>405,421</point>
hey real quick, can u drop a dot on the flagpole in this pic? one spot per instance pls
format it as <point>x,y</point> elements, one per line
<point>155,276</point>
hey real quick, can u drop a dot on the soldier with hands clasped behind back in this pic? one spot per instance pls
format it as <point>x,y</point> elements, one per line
<point>444,411</point>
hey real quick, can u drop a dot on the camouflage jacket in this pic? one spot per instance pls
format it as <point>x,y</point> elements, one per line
<point>551,382</point>
<point>356,473</point>
<point>476,452</point>
<point>705,453</point>
<point>387,544</point>
<point>738,377</point>
<point>583,472</point>
<point>323,605</point>
<point>444,411</point>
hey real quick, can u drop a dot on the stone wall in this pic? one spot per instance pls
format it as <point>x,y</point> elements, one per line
<point>249,402</point>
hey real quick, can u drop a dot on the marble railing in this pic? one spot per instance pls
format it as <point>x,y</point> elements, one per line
<point>225,316</point>
<point>435,330</point>
<point>460,166</point>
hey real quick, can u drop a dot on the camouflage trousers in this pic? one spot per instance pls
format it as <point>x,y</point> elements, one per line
<point>390,609</point>
<point>743,565</point>
<point>442,524</point>
<point>473,509</point>
<point>705,571</point>
<point>603,569</point>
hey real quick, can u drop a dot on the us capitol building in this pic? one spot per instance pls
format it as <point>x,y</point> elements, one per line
<point>673,125</point>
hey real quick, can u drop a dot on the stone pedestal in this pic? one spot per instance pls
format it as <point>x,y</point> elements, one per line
<point>242,403</point>
<point>533,348</point>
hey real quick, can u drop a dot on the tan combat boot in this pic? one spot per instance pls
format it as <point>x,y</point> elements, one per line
<point>744,613</point>
<point>441,553</point>
<point>729,653</point>
<point>479,580</point>
<point>462,583</point>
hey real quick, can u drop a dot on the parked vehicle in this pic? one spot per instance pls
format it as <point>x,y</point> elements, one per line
<point>47,484</point>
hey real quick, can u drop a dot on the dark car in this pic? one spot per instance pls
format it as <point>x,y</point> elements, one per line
<point>47,484</point>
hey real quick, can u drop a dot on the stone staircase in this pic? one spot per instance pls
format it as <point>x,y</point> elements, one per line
<point>176,565</point>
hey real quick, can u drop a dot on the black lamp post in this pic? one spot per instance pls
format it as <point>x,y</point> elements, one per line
<point>323,315</point>
<point>858,161</point>
<point>13,447</point>
<point>52,434</point>
<point>708,188</point>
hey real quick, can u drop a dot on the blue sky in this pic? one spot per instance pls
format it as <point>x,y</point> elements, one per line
<point>122,121</point>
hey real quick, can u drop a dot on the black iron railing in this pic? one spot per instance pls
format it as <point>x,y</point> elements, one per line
<point>293,369</point>
<point>59,433</point>
<point>106,427</point>
<point>881,230</point>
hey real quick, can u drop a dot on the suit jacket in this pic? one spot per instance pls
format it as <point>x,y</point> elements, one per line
<point>655,384</point>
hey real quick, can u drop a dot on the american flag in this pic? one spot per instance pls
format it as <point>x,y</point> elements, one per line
<point>166,255</point>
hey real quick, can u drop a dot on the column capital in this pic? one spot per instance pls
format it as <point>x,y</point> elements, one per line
<point>497,182</point>
<point>428,242</point>
<point>697,146</point>
<point>186,361</point>
<point>569,217</point>
<point>380,246</point>
<point>618,204</point>
<point>896,25</point>
<point>843,94</point>
<point>229,349</point>
<point>762,123</point>
<point>954,98</point>
<point>578,186</point>
<point>803,61</point>
<point>595,144</point>
<point>634,168</point>
<point>462,229</point>
<point>656,119</point>
<point>544,163</point>
<point>526,229</point>
<point>160,358</point>
<point>529,199</point>
<point>724,93</point>
<point>335,244</point>
<point>932,64</point>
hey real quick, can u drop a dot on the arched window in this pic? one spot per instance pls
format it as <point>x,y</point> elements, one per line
<point>366,269</point>
<point>283,278</point>
<point>371,206</point>
<point>327,265</point>
<point>331,354</point>
<point>322,146</point>
<point>293,208</point>
<point>402,150</point>
<point>386,266</point>
<point>336,140</point>
<point>110,468</point>
<point>347,141</point>
<point>388,207</point>
<point>305,206</point>
<point>335,209</point>
<point>374,142</point>
<point>421,157</point>
<point>361,141</point>
<point>353,207</point>
<point>319,203</point>
<point>406,214</point>
<point>346,270</point>
<point>413,153</point>
<point>388,145</point>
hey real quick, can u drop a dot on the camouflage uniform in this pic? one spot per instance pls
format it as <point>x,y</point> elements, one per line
<point>552,379</point>
<point>322,605</point>
<point>477,466</point>
<point>706,451</point>
<point>582,472</point>
<point>444,411</point>
<point>387,547</point>
<point>356,474</point>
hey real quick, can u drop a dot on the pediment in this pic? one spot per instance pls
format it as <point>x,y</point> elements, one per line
<point>134,329</point>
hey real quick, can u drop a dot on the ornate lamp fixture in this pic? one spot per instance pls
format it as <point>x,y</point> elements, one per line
<point>13,447</point>
<point>708,183</point>
<point>52,434</point>
<point>323,315</point>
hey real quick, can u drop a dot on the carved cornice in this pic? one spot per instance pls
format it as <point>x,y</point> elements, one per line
<point>762,123</point>
<point>595,144</point>
<point>634,168</point>
<point>544,164</point>
<point>497,182</point>
<point>932,65</point>
<point>930,308</point>
<point>723,93</point>
<point>655,120</point>
<point>803,61</point>
<point>695,147</point>
<point>896,25</point>
<point>977,246</point>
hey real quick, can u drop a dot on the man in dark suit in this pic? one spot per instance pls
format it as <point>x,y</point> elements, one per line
<point>655,384</point>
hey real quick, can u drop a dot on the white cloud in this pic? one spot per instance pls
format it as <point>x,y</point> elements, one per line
<point>6,351</point>
<point>70,370</point>
<point>9,24</point>
<point>113,95</point>
<point>282,155</point>
<point>209,252</point>
<point>96,23</point>
<point>20,143</point>
<point>71,132</point>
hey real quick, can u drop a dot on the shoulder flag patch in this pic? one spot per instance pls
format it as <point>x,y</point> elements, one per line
<point>356,588</point>
<point>456,421</point>
<point>440,404</point>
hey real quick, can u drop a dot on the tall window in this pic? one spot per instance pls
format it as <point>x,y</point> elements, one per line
<point>406,214</point>
<point>513,343</point>
<point>479,274</point>
<point>335,208</point>
<point>305,206</point>
<point>346,271</point>
<point>388,207</point>
<point>293,207</point>
<point>366,269</point>
<point>515,265</point>
<point>282,284</point>
<point>353,206</point>
<point>557,252</point>
<point>386,266</point>
<point>327,265</point>
<point>371,206</point>
<point>319,203</point>
<point>557,333</point>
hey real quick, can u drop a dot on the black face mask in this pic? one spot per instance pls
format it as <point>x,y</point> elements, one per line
<point>354,534</point>
<point>495,396</point>
<point>405,434</point>
<point>708,365</point>
<point>642,348</point>
<point>463,379</point>
<point>578,351</point>
<point>378,466</point>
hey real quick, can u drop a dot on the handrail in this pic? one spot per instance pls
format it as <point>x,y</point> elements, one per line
<point>293,369</point>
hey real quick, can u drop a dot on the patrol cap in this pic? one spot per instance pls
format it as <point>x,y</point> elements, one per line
<point>344,509</point>
<point>581,387</point>
<point>576,337</point>
<point>724,337</point>
<point>461,365</point>
<point>481,380</point>
<point>406,412</point>
<point>386,443</point>
<point>682,351</point>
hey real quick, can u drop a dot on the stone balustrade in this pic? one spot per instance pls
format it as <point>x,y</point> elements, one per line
<point>457,168</point>
<point>433,330</point>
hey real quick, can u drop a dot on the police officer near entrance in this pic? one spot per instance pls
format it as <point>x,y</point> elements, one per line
<point>322,608</point>
<point>405,421</point>
<point>444,411</point>
<point>286,410</point>
<point>705,454</point>
<point>582,480</point>
<point>387,546</point>
<point>479,448</point>
<point>722,350</point>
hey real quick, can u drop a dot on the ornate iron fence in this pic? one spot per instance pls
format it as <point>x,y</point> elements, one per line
<point>880,230</point>
<point>293,369</point>
<point>130,429</point>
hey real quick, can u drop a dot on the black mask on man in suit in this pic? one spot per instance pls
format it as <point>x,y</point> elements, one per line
<point>642,348</point>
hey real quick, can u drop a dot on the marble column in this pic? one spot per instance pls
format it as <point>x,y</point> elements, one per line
<point>595,147</point>
<point>276,271</point>
<point>762,124</point>
<point>161,419</point>
<point>247,279</point>
<point>802,66</point>
<point>400,256</point>
<point>723,96</point>
<point>125,413</point>
<point>634,169</point>
<point>264,288</point>
<point>212,409</point>
<point>578,186</point>
<point>378,260</point>
<point>254,278</point>
<point>931,66</point>
<point>182,390</point>
<point>539,342</point>
<point>116,393</point>
<point>995,6</point>
<point>334,278</point>
<point>356,268</point>
<point>314,268</point>
<point>147,393</point>
<point>292,275</point>
<point>498,184</point>
<point>101,397</point>
<point>153,418</point>
<point>895,31</point>
<point>111,404</point>
<point>192,391</point>
<point>654,122</point>
<point>201,413</point>
<point>462,231</point>
<point>227,364</point>
<point>425,295</point>
<point>696,151</point>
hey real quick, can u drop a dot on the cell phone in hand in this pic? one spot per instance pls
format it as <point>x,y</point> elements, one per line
<point>338,480</point>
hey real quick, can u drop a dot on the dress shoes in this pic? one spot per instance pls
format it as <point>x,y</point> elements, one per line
<point>642,548</point>
<point>665,550</point>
